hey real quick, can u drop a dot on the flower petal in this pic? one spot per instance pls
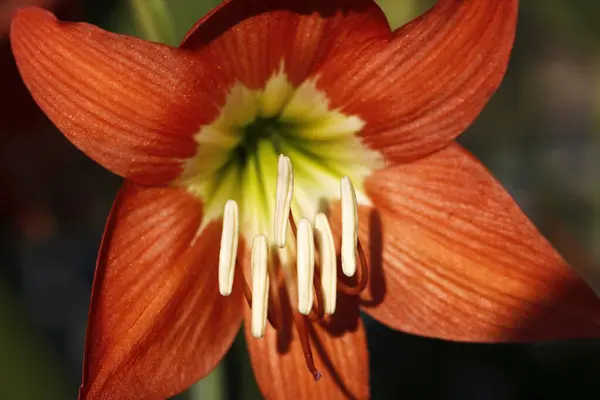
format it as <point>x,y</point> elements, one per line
<point>453,257</point>
<point>339,351</point>
<point>131,105</point>
<point>422,87</point>
<point>8,7</point>
<point>157,322</point>
<point>250,39</point>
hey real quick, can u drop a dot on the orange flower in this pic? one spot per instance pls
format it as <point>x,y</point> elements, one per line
<point>8,7</point>
<point>439,248</point>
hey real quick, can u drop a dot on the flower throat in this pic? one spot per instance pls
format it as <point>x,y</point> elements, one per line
<point>236,153</point>
<point>269,129</point>
<point>242,172</point>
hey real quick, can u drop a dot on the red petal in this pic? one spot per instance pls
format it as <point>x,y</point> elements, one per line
<point>424,86</point>
<point>8,7</point>
<point>339,350</point>
<point>249,39</point>
<point>462,262</point>
<point>157,322</point>
<point>129,104</point>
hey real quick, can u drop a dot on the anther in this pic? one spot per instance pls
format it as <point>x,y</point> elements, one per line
<point>229,247</point>
<point>260,286</point>
<point>305,266</point>
<point>327,262</point>
<point>283,202</point>
<point>362,277</point>
<point>349,227</point>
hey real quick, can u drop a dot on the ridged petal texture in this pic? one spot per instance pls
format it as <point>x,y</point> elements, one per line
<point>157,322</point>
<point>250,40</point>
<point>452,256</point>
<point>129,104</point>
<point>339,349</point>
<point>134,106</point>
<point>424,85</point>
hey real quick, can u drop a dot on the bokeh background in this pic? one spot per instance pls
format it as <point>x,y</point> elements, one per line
<point>540,135</point>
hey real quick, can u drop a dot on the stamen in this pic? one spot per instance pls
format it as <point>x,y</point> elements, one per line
<point>293,225</point>
<point>283,203</point>
<point>305,343</point>
<point>362,278</point>
<point>318,311</point>
<point>327,261</point>
<point>260,286</point>
<point>273,307</point>
<point>305,265</point>
<point>229,246</point>
<point>349,226</point>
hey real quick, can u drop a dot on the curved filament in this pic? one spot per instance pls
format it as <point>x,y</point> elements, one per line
<point>301,327</point>
<point>362,278</point>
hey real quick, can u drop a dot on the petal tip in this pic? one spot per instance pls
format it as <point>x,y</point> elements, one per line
<point>26,12</point>
<point>26,18</point>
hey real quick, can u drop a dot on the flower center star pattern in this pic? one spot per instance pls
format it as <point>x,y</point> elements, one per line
<point>292,163</point>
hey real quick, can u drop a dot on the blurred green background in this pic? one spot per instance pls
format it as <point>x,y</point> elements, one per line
<point>540,135</point>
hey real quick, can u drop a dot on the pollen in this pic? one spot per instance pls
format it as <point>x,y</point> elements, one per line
<point>349,227</point>
<point>312,280</point>
<point>305,266</point>
<point>238,157</point>
<point>229,245</point>
<point>260,286</point>
<point>327,261</point>
<point>269,166</point>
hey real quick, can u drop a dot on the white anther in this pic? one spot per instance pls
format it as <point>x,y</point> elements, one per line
<point>285,189</point>
<point>229,247</point>
<point>260,286</point>
<point>349,226</point>
<point>305,266</point>
<point>326,247</point>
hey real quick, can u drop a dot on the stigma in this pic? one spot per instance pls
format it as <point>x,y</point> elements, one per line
<point>304,250</point>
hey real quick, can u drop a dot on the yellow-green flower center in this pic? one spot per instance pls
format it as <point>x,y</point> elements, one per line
<point>237,154</point>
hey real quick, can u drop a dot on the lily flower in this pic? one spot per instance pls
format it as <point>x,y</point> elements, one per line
<point>301,155</point>
<point>7,7</point>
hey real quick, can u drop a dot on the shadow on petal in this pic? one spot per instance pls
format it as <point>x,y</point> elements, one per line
<point>344,321</point>
<point>284,333</point>
<point>582,325</point>
<point>565,292</point>
<point>463,262</point>
<point>377,287</point>
<point>346,316</point>
<point>231,13</point>
<point>342,359</point>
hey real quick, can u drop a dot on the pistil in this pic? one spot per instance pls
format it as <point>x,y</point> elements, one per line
<point>302,328</point>
<point>315,254</point>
